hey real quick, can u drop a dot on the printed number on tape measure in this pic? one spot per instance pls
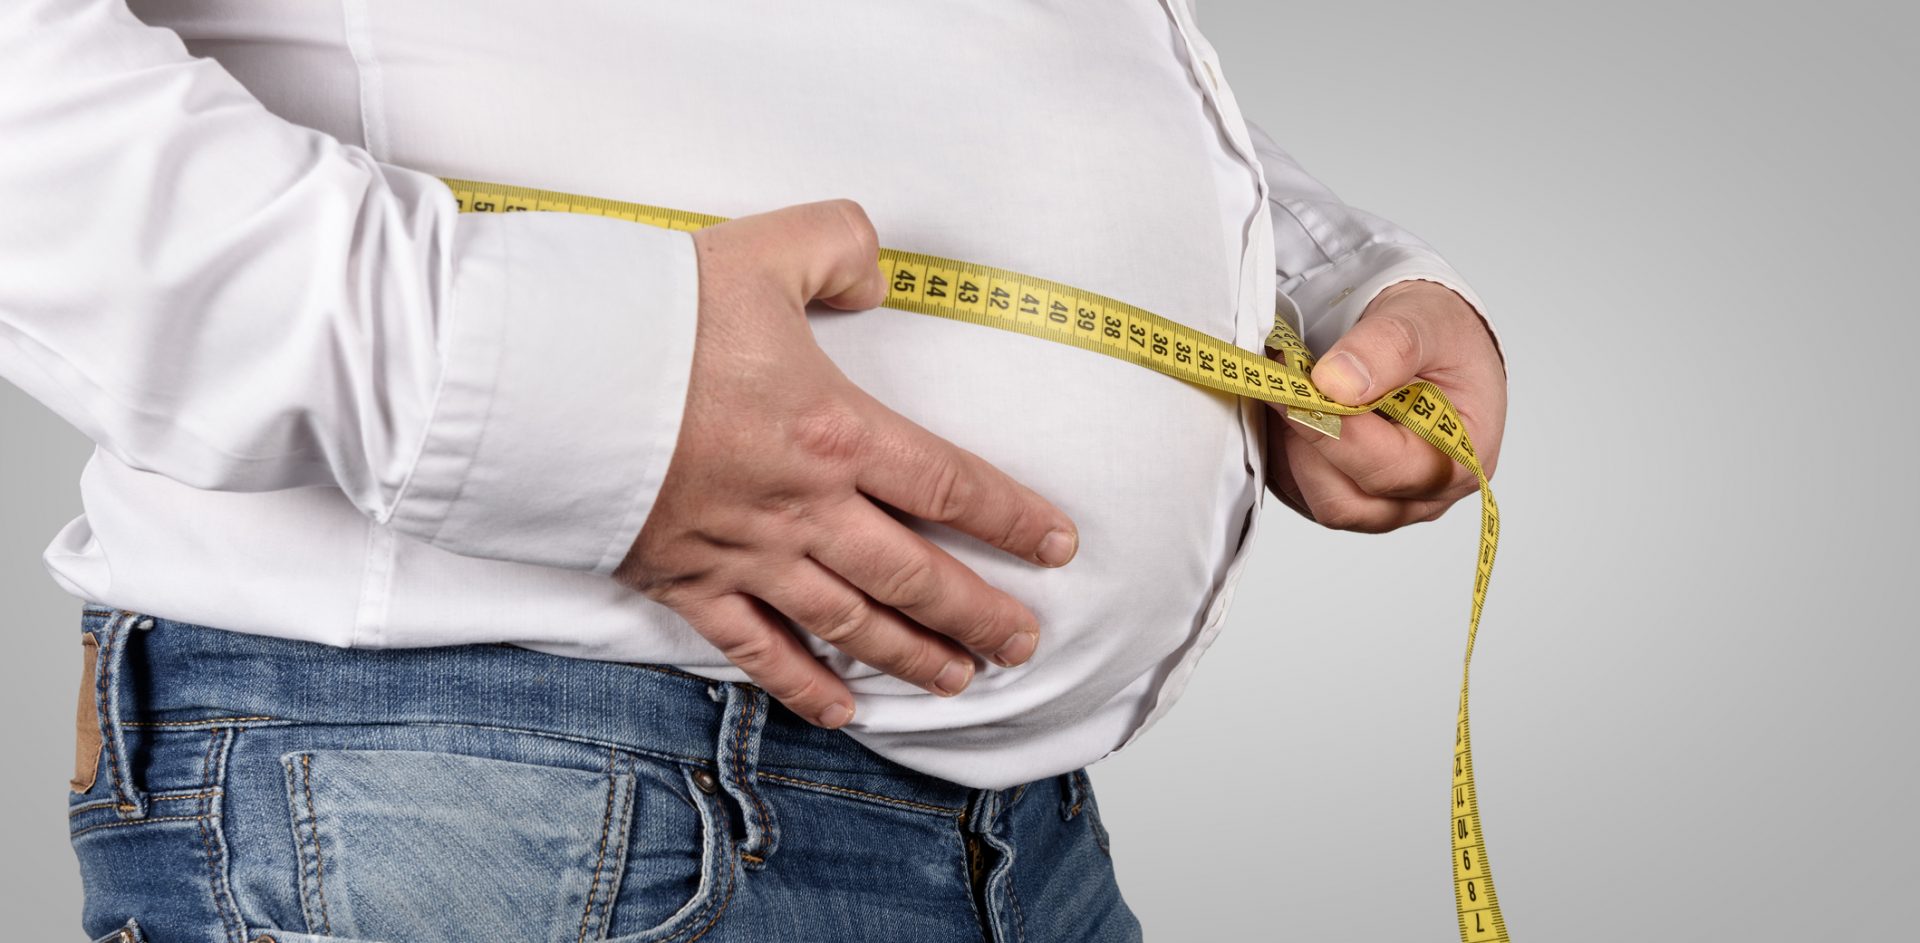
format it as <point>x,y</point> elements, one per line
<point>1038,307</point>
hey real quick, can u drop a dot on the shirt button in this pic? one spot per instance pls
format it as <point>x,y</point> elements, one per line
<point>705,781</point>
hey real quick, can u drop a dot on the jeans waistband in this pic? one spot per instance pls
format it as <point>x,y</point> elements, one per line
<point>155,672</point>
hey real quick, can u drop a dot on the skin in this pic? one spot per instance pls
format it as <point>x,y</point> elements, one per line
<point>777,500</point>
<point>1378,476</point>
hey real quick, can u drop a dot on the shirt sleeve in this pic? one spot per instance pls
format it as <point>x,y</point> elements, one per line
<point>217,295</point>
<point>1332,259</point>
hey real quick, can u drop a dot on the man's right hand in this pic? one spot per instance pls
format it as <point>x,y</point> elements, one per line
<point>770,502</point>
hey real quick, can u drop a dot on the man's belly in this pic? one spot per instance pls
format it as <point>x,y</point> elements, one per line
<point>1075,145</point>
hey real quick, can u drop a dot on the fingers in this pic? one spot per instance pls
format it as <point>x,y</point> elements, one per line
<point>1379,475</point>
<point>828,251</point>
<point>931,478</point>
<point>841,615</point>
<point>1382,353</point>
<point>1412,327</point>
<point>1335,501</point>
<point>1280,471</point>
<point>752,638</point>
<point>1386,460</point>
<point>898,568</point>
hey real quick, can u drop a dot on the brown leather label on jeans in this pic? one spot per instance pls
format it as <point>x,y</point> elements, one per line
<point>86,720</point>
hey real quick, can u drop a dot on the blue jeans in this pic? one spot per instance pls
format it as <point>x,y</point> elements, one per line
<point>244,788</point>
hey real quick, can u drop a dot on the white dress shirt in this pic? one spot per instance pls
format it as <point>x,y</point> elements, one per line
<point>329,407</point>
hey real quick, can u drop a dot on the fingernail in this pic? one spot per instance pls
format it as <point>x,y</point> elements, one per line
<point>1058,547</point>
<point>835,716</point>
<point>1343,377</point>
<point>953,678</point>
<point>1016,650</point>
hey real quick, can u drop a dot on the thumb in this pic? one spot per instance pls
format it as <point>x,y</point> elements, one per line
<point>1382,353</point>
<point>834,251</point>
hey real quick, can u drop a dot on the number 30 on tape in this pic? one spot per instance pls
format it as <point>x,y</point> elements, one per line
<point>1024,304</point>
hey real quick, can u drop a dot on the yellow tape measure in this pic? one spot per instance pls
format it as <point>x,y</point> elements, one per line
<point>1011,301</point>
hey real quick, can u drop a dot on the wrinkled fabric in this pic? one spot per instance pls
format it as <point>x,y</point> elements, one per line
<point>330,408</point>
<point>260,788</point>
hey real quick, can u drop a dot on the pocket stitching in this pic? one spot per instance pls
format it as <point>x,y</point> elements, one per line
<point>949,811</point>
<point>606,820</point>
<point>717,842</point>
<point>695,916</point>
<point>137,822</point>
<point>617,783</point>
<point>315,903</point>
<point>213,779</point>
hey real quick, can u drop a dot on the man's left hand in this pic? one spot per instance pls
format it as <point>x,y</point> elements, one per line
<point>1378,476</point>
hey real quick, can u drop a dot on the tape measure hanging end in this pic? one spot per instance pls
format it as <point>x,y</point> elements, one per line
<point>1013,301</point>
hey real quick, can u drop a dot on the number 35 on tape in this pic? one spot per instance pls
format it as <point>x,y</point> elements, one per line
<point>1025,304</point>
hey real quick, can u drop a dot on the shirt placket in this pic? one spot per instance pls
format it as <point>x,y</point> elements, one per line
<point>1253,307</point>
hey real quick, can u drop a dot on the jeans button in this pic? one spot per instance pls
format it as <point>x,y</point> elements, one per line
<point>705,781</point>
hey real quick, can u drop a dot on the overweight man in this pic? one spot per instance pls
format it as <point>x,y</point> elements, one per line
<point>551,577</point>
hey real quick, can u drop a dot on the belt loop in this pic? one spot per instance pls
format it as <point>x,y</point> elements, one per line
<point>1076,793</point>
<point>113,697</point>
<point>739,760</point>
<point>983,811</point>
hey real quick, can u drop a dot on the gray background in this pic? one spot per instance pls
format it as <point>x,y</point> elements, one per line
<point>1694,699</point>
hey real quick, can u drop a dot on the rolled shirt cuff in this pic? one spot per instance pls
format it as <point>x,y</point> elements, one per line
<point>1331,299</point>
<point>564,385</point>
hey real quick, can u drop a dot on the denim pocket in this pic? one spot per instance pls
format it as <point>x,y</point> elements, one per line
<point>404,846</point>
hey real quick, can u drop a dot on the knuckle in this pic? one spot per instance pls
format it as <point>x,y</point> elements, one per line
<point>987,629</point>
<point>866,240</point>
<point>673,592</point>
<point>830,433</point>
<point>920,665</point>
<point>1378,478</point>
<point>1018,523</point>
<point>1347,514</point>
<point>755,653</point>
<point>1462,486</point>
<point>1399,336</point>
<point>1401,478</point>
<point>800,694</point>
<point>912,583</point>
<point>782,509</point>
<point>1335,515</point>
<point>951,492</point>
<point>846,622</point>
